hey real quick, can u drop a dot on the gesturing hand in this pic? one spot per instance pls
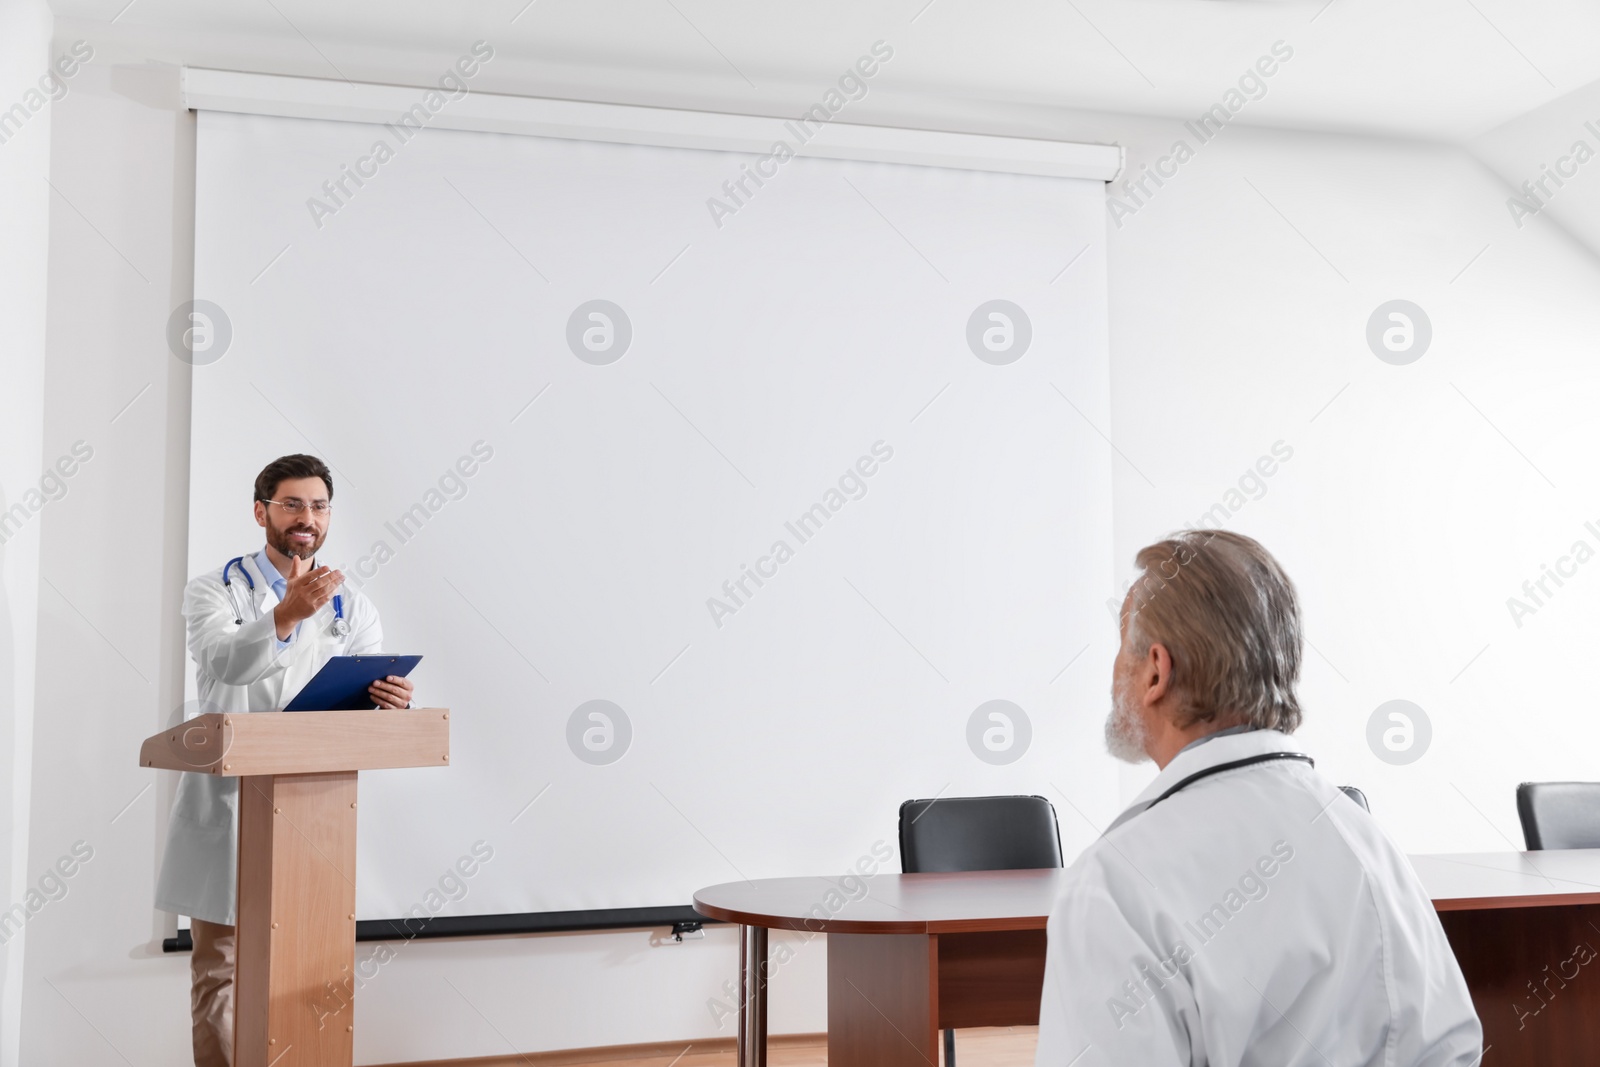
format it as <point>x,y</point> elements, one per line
<point>307,591</point>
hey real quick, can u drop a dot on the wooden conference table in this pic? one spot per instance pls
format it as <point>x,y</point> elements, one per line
<point>923,952</point>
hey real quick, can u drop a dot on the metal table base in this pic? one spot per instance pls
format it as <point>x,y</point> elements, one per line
<point>752,996</point>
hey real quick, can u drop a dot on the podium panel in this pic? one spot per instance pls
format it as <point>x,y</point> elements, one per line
<point>295,988</point>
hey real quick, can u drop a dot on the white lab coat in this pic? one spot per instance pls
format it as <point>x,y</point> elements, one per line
<point>1256,918</point>
<point>239,669</point>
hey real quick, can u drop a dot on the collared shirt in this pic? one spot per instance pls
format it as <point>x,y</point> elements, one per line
<point>279,585</point>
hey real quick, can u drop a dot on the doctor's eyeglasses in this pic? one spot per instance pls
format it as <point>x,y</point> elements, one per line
<point>293,506</point>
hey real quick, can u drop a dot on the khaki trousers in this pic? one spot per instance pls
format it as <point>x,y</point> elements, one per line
<point>211,996</point>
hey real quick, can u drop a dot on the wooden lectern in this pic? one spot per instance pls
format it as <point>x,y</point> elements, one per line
<point>296,939</point>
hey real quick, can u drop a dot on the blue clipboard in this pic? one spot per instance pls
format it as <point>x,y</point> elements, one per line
<point>341,684</point>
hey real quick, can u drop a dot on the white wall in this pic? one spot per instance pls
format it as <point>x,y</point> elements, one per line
<point>1549,159</point>
<point>24,238</point>
<point>108,650</point>
<point>1405,516</point>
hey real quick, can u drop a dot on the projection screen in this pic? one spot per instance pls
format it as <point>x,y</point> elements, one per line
<point>720,533</point>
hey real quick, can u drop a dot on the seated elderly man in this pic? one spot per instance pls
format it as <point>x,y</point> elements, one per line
<point>1241,911</point>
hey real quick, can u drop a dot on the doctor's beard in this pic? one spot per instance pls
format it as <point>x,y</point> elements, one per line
<point>1125,732</point>
<point>279,539</point>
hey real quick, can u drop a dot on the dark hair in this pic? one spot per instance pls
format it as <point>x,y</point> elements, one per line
<point>284,468</point>
<point>1228,615</point>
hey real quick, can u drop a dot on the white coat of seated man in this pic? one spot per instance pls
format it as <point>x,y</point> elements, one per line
<point>1242,912</point>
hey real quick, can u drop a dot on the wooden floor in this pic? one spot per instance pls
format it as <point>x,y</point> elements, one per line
<point>990,1047</point>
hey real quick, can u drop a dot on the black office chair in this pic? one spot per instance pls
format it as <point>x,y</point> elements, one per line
<point>1356,795</point>
<point>1559,814</point>
<point>977,834</point>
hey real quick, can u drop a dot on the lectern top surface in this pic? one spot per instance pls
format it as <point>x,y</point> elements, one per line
<point>235,744</point>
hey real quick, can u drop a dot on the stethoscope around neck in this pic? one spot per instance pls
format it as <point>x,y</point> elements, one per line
<point>341,627</point>
<point>1207,772</point>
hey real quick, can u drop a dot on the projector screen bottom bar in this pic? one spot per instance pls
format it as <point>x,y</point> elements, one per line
<point>530,922</point>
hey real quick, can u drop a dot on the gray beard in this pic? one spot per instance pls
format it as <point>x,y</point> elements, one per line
<point>1125,733</point>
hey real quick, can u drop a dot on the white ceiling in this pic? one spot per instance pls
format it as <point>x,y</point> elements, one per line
<point>1434,69</point>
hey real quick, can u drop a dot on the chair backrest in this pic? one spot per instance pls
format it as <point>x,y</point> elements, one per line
<point>1356,795</point>
<point>978,834</point>
<point>1559,814</point>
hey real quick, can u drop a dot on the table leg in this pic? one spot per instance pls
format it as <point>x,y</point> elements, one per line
<point>753,996</point>
<point>883,1000</point>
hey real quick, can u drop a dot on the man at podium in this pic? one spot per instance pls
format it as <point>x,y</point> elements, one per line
<point>260,627</point>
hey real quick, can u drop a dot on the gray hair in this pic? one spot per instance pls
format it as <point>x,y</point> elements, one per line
<point>1228,616</point>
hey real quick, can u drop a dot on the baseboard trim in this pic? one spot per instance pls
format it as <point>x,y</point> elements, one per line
<point>655,1054</point>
